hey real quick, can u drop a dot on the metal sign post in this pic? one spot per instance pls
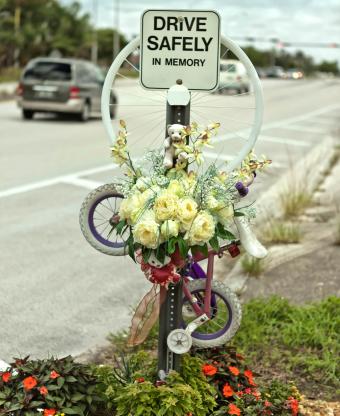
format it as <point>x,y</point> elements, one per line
<point>177,112</point>
<point>180,51</point>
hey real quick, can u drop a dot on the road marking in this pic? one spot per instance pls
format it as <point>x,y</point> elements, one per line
<point>54,181</point>
<point>282,140</point>
<point>309,129</point>
<point>73,178</point>
<point>83,183</point>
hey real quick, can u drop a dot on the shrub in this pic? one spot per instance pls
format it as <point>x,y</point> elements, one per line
<point>238,392</point>
<point>141,394</point>
<point>252,266</point>
<point>281,232</point>
<point>53,385</point>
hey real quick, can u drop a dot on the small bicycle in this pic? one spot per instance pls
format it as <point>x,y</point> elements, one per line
<point>211,312</point>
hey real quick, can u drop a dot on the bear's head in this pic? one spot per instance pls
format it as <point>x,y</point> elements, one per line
<point>175,132</point>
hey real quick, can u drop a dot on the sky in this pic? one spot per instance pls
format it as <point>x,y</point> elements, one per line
<point>287,20</point>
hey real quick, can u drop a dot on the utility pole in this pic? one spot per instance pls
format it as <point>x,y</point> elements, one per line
<point>94,46</point>
<point>115,28</point>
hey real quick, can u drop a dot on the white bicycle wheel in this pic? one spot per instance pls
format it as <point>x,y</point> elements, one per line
<point>240,114</point>
<point>98,214</point>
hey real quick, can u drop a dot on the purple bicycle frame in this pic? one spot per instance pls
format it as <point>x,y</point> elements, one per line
<point>196,272</point>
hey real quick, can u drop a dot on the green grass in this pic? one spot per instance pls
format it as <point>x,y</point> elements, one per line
<point>294,200</point>
<point>300,342</point>
<point>280,232</point>
<point>9,74</point>
<point>252,266</point>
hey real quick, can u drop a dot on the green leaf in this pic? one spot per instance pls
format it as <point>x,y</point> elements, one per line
<point>214,243</point>
<point>72,411</point>
<point>60,381</point>
<point>77,396</point>
<point>160,254</point>
<point>172,245</point>
<point>183,247</point>
<point>223,233</point>
<point>146,253</point>
<point>129,242</point>
<point>120,226</point>
<point>204,249</point>
<point>238,214</point>
<point>71,379</point>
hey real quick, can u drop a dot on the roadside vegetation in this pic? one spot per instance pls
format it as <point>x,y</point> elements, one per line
<point>295,199</point>
<point>252,266</point>
<point>282,232</point>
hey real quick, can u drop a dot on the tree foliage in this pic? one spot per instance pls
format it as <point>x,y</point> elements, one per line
<point>39,27</point>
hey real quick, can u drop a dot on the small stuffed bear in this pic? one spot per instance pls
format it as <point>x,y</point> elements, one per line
<point>175,132</point>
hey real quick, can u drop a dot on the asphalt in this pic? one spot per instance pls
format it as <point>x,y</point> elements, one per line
<point>58,295</point>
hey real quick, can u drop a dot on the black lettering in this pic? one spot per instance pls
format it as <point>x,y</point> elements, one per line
<point>189,62</point>
<point>168,61</point>
<point>188,24</point>
<point>176,40</point>
<point>202,61</point>
<point>165,44</point>
<point>172,21</point>
<point>162,23</point>
<point>187,43</point>
<point>196,48</point>
<point>153,40</point>
<point>182,62</point>
<point>156,61</point>
<point>201,23</point>
<point>207,43</point>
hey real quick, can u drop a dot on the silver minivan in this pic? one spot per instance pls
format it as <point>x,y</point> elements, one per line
<point>61,86</point>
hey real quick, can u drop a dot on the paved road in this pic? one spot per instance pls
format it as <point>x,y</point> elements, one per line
<point>58,295</point>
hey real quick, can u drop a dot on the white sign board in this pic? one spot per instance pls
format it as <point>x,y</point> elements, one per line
<point>180,45</point>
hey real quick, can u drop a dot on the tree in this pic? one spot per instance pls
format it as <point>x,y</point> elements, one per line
<point>329,66</point>
<point>105,45</point>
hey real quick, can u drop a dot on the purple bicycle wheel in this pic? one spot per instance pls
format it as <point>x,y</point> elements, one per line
<point>101,227</point>
<point>98,216</point>
<point>225,314</point>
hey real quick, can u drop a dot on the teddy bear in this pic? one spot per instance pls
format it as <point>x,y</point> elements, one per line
<point>175,136</point>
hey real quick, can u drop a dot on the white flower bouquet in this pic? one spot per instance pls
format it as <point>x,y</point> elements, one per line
<point>185,207</point>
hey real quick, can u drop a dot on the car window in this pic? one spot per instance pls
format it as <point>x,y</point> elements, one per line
<point>51,71</point>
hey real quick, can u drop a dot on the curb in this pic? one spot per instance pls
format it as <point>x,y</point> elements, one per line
<point>313,165</point>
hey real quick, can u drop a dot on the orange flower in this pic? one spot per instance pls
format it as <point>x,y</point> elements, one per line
<point>239,356</point>
<point>234,370</point>
<point>140,380</point>
<point>294,405</point>
<point>209,370</point>
<point>54,374</point>
<point>267,404</point>
<point>249,376</point>
<point>6,376</point>
<point>29,383</point>
<point>234,410</point>
<point>256,394</point>
<point>227,391</point>
<point>43,391</point>
<point>49,412</point>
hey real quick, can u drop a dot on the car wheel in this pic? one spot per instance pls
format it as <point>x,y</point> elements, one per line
<point>85,113</point>
<point>27,114</point>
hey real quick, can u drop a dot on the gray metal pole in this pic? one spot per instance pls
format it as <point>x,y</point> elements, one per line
<point>170,315</point>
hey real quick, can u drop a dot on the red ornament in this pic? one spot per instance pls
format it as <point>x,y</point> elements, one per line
<point>159,275</point>
<point>233,249</point>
